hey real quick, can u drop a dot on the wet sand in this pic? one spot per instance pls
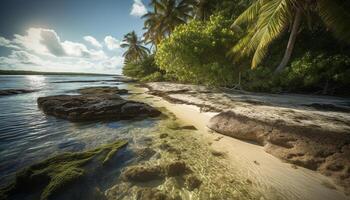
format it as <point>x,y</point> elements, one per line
<point>264,171</point>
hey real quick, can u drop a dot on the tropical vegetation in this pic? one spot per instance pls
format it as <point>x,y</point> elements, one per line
<point>261,45</point>
<point>135,49</point>
<point>266,20</point>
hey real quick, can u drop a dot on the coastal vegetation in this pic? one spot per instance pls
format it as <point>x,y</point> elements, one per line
<point>264,46</point>
<point>135,50</point>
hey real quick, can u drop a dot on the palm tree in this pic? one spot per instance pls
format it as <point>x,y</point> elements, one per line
<point>166,15</point>
<point>135,49</point>
<point>266,20</point>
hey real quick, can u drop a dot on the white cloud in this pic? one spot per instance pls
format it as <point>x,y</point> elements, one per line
<point>7,43</point>
<point>43,49</point>
<point>111,42</point>
<point>52,42</point>
<point>138,8</point>
<point>47,42</point>
<point>93,41</point>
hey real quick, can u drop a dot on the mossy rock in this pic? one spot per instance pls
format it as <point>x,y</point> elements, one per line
<point>49,177</point>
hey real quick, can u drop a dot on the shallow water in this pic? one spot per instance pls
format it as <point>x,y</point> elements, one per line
<point>28,136</point>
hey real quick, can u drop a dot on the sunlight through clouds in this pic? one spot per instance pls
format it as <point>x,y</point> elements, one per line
<point>43,49</point>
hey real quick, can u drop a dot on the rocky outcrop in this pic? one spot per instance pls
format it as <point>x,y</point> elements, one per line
<point>102,90</point>
<point>94,107</point>
<point>15,91</point>
<point>309,146</point>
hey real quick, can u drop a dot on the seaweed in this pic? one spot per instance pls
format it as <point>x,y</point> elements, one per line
<point>49,177</point>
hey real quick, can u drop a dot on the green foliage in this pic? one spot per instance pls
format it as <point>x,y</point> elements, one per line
<point>50,176</point>
<point>266,21</point>
<point>154,77</point>
<point>141,69</point>
<point>196,52</point>
<point>320,72</point>
<point>312,72</point>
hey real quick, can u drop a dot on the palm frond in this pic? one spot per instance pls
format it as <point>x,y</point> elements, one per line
<point>271,24</point>
<point>250,14</point>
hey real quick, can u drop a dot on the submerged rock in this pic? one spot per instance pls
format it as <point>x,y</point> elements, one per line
<point>142,173</point>
<point>92,107</point>
<point>176,168</point>
<point>102,90</point>
<point>48,179</point>
<point>152,194</point>
<point>188,127</point>
<point>15,91</point>
<point>145,153</point>
<point>192,182</point>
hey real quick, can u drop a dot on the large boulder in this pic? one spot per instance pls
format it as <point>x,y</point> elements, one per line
<point>102,90</point>
<point>92,107</point>
<point>312,147</point>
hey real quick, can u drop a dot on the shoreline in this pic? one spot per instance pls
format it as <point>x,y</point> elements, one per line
<point>185,97</point>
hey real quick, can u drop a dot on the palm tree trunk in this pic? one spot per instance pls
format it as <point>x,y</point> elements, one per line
<point>291,42</point>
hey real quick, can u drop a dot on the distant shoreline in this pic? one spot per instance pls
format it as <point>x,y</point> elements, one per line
<point>23,72</point>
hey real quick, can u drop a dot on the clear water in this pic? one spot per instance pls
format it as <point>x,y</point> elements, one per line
<point>28,136</point>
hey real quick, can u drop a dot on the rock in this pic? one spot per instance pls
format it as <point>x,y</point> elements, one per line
<point>145,141</point>
<point>143,173</point>
<point>118,191</point>
<point>145,153</point>
<point>176,126</point>
<point>324,150</point>
<point>166,147</point>
<point>163,135</point>
<point>176,168</point>
<point>237,126</point>
<point>294,166</point>
<point>152,194</point>
<point>15,91</point>
<point>218,138</point>
<point>188,127</point>
<point>93,107</point>
<point>192,182</point>
<point>217,153</point>
<point>102,90</point>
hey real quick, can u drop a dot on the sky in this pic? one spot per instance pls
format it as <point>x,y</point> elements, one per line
<point>67,35</point>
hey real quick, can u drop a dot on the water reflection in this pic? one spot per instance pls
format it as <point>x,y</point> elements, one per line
<point>36,81</point>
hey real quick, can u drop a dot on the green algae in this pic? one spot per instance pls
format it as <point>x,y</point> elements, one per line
<point>47,178</point>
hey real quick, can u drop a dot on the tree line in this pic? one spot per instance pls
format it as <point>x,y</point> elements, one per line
<point>269,44</point>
